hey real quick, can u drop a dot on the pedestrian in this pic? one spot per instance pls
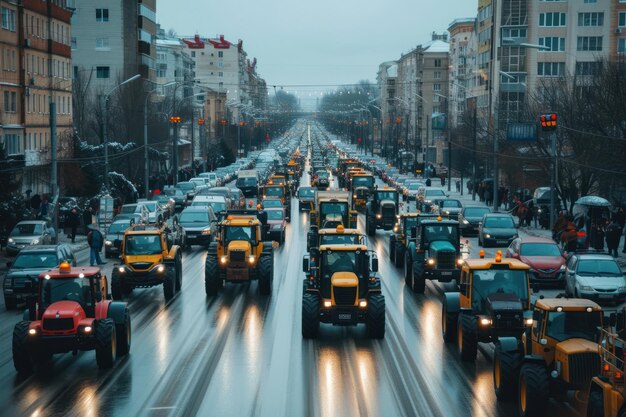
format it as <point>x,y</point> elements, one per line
<point>569,236</point>
<point>95,241</point>
<point>458,186</point>
<point>443,180</point>
<point>620,217</point>
<point>531,213</point>
<point>487,196</point>
<point>559,226</point>
<point>35,204</point>
<point>43,212</point>
<point>73,221</point>
<point>600,235</point>
<point>87,218</point>
<point>613,235</point>
<point>428,182</point>
<point>624,234</point>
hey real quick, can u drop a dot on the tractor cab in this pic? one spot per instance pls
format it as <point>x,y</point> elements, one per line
<point>335,236</point>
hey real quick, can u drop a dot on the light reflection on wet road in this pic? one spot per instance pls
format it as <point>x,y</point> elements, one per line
<point>242,354</point>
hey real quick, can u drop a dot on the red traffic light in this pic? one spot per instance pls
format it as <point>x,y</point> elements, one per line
<point>175,119</point>
<point>548,121</point>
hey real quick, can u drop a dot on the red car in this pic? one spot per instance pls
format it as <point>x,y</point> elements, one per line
<point>544,256</point>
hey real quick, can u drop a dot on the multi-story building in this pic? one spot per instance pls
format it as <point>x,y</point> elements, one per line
<point>114,40</point>
<point>386,78</point>
<point>463,45</point>
<point>173,64</point>
<point>36,72</point>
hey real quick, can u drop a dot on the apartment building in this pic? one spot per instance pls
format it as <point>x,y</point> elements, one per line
<point>35,60</point>
<point>463,48</point>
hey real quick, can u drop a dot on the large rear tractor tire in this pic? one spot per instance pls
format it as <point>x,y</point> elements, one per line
<point>533,390</point>
<point>506,368</point>
<point>211,276</point>
<point>370,226</point>
<point>375,317</point>
<point>106,343</point>
<point>467,339</point>
<point>116,285</point>
<point>310,315</point>
<point>408,271</point>
<point>399,255</point>
<point>179,275</point>
<point>169,283</point>
<point>419,280</point>
<point>266,275</point>
<point>22,359</point>
<point>123,333</point>
<point>392,248</point>
<point>449,321</point>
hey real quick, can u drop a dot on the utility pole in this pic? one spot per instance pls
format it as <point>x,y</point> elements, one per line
<point>474,151</point>
<point>53,148</point>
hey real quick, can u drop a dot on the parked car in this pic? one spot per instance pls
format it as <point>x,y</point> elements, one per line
<point>429,194</point>
<point>167,203</point>
<point>544,256</point>
<point>115,235</point>
<point>277,224</point>
<point>497,229</point>
<point>189,188</point>
<point>156,214</point>
<point>218,203</point>
<point>128,210</point>
<point>450,207</point>
<point>21,281</point>
<point>595,276</point>
<point>29,233</point>
<point>199,224</point>
<point>470,217</point>
<point>176,194</point>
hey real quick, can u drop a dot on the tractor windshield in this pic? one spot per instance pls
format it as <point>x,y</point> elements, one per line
<point>363,182</point>
<point>409,222</point>
<point>340,239</point>
<point>142,244</point>
<point>238,233</point>
<point>497,281</point>
<point>386,195</point>
<point>60,289</point>
<point>573,324</point>
<point>339,261</point>
<point>274,191</point>
<point>441,232</point>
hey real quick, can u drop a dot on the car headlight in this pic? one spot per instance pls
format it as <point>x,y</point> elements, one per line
<point>528,321</point>
<point>206,231</point>
<point>487,235</point>
<point>11,240</point>
<point>586,288</point>
<point>430,261</point>
<point>379,216</point>
<point>353,195</point>
<point>108,242</point>
<point>447,213</point>
<point>465,221</point>
<point>459,261</point>
<point>35,242</point>
<point>395,229</point>
<point>121,269</point>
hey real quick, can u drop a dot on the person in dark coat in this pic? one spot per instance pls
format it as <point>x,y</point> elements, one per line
<point>73,220</point>
<point>35,204</point>
<point>613,236</point>
<point>87,217</point>
<point>95,241</point>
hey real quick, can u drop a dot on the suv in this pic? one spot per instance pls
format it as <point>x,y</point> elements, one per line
<point>149,258</point>
<point>239,255</point>
<point>176,194</point>
<point>199,225</point>
<point>114,237</point>
<point>497,229</point>
<point>381,210</point>
<point>493,302</point>
<point>470,217</point>
<point>432,252</point>
<point>29,233</point>
<point>20,282</point>
<point>156,213</point>
<point>595,276</point>
<point>342,287</point>
<point>73,312</point>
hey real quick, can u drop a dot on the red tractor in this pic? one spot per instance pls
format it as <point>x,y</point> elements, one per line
<point>73,312</point>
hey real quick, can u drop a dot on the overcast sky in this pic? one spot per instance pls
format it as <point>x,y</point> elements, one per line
<point>316,42</point>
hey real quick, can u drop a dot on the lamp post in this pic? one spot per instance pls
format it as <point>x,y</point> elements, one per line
<point>447,129</point>
<point>105,127</point>
<point>175,121</point>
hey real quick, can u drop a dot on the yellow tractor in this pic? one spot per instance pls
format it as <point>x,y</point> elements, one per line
<point>239,255</point>
<point>558,354</point>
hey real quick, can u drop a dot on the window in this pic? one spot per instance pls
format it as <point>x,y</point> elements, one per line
<point>8,19</point>
<point>621,20</point>
<point>102,43</point>
<point>551,69</point>
<point>554,43</point>
<point>12,144</point>
<point>591,19</point>
<point>220,74</point>
<point>435,100</point>
<point>102,15</point>
<point>588,68</point>
<point>220,54</point>
<point>589,43</point>
<point>590,1</point>
<point>193,54</point>
<point>103,72</point>
<point>437,75</point>
<point>436,87</point>
<point>438,63</point>
<point>621,45</point>
<point>74,43</point>
<point>10,101</point>
<point>552,19</point>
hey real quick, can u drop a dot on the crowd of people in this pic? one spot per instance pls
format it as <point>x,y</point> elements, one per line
<point>601,231</point>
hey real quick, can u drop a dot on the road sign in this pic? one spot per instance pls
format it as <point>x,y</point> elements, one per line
<point>521,132</point>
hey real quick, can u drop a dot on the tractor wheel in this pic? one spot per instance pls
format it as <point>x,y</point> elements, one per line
<point>533,389</point>
<point>392,248</point>
<point>106,343</point>
<point>467,340</point>
<point>179,275</point>
<point>408,272</point>
<point>419,281</point>
<point>595,405</point>
<point>123,333</point>
<point>375,317</point>
<point>622,411</point>
<point>169,283</point>
<point>399,255</point>
<point>22,359</point>
<point>370,226</point>
<point>116,285</point>
<point>211,276</point>
<point>266,275</point>
<point>506,367</point>
<point>310,315</point>
<point>449,322</point>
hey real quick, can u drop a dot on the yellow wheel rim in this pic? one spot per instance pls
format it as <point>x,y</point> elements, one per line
<point>522,394</point>
<point>496,372</point>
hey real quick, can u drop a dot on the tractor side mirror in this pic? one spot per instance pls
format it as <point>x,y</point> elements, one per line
<point>306,264</point>
<point>374,264</point>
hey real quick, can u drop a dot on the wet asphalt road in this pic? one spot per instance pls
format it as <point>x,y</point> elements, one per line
<point>242,354</point>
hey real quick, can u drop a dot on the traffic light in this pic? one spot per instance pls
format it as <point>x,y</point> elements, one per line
<point>548,121</point>
<point>175,119</point>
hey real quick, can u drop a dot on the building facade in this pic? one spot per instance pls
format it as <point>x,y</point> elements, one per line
<point>36,73</point>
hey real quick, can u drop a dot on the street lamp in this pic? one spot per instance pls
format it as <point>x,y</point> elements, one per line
<point>447,127</point>
<point>105,128</point>
<point>175,120</point>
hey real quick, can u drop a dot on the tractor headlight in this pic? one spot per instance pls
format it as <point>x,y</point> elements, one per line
<point>11,240</point>
<point>224,259</point>
<point>485,322</point>
<point>251,259</point>
<point>430,261</point>
<point>459,261</point>
<point>395,229</point>
<point>32,332</point>
<point>160,269</point>
<point>363,303</point>
<point>121,269</point>
<point>85,329</point>
<point>379,216</point>
<point>528,321</point>
<point>353,195</point>
<point>108,243</point>
<point>327,304</point>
